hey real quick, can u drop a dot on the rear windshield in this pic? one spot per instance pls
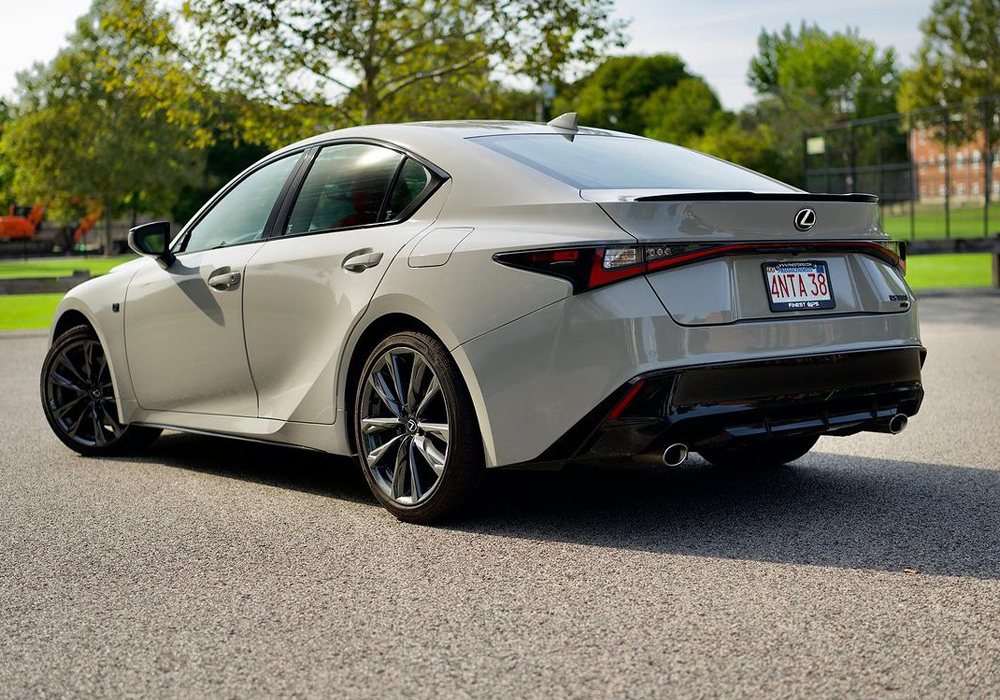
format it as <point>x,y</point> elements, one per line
<point>614,162</point>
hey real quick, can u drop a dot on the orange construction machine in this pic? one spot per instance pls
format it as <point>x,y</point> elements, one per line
<point>22,222</point>
<point>21,231</point>
<point>87,223</point>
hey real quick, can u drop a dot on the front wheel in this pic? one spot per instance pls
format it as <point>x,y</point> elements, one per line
<point>767,453</point>
<point>417,436</point>
<point>79,400</point>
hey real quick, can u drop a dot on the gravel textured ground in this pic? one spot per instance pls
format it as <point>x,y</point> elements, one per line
<point>211,567</point>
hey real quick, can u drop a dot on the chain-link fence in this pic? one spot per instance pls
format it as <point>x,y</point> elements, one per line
<point>936,171</point>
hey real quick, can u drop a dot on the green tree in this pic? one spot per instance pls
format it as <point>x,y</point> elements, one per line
<point>832,76</point>
<point>360,61</point>
<point>681,114</point>
<point>615,94</point>
<point>810,78</point>
<point>6,166</point>
<point>744,140</point>
<point>959,58</point>
<point>85,134</point>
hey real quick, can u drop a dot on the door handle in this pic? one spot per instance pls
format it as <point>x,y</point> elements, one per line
<point>224,279</point>
<point>361,261</point>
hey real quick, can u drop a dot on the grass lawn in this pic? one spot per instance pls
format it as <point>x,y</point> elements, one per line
<point>28,311</point>
<point>58,267</point>
<point>25,311</point>
<point>949,270</point>
<point>928,221</point>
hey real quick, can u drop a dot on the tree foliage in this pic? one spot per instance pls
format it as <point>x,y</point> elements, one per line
<point>827,76</point>
<point>683,113</point>
<point>959,58</point>
<point>615,95</point>
<point>360,61</point>
<point>810,78</point>
<point>745,140</point>
<point>6,165</point>
<point>88,130</point>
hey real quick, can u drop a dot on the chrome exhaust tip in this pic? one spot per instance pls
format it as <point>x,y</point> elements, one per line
<point>675,455</point>
<point>893,426</point>
<point>897,423</point>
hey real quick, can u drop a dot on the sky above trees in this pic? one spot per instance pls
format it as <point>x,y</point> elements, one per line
<point>716,38</point>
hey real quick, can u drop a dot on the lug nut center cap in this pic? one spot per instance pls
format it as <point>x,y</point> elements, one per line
<point>411,426</point>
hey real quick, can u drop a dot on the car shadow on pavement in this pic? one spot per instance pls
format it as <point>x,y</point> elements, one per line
<point>272,465</point>
<point>824,510</point>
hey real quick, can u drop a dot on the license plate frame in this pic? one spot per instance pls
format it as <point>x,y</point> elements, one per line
<point>817,267</point>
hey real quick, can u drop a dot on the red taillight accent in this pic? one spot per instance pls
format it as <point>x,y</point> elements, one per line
<point>591,267</point>
<point>625,401</point>
<point>550,256</point>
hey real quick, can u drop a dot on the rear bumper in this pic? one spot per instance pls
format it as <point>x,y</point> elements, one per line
<point>832,394</point>
<point>533,379</point>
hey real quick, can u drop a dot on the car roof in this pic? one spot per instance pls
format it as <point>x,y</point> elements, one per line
<point>469,128</point>
<point>439,130</point>
<point>479,174</point>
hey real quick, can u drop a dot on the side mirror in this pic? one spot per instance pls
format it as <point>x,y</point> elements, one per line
<point>152,240</point>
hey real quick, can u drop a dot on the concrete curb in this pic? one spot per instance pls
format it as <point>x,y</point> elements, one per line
<point>43,285</point>
<point>19,335</point>
<point>957,292</point>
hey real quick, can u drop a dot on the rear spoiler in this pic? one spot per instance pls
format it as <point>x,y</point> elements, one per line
<point>737,196</point>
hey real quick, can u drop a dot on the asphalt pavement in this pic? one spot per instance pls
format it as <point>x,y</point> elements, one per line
<point>218,568</point>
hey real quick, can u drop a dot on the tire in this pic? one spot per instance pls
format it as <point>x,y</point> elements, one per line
<point>767,453</point>
<point>79,402</point>
<point>417,437</point>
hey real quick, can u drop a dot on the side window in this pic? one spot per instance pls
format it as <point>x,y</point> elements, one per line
<point>345,187</point>
<point>240,216</point>
<point>413,178</point>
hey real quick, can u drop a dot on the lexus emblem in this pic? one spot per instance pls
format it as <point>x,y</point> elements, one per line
<point>805,219</point>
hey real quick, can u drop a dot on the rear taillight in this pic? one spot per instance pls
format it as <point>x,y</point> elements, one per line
<point>895,252</point>
<point>591,267</point>
<point>585,268</point>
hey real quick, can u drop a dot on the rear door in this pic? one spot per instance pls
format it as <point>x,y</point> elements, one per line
<point>184,324</point>
<point>310,282</point>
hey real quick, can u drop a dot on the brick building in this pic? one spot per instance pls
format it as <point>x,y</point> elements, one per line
<point>969,168</point>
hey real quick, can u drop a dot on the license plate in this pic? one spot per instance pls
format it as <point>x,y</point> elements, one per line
<point>798,286</point>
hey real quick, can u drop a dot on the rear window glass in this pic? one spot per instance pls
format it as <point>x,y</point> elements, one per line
<point>344,188</point>
<point>412,180</point>
<point>614,162</point>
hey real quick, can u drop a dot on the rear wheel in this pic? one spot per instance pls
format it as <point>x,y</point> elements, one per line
<point>79,400</point>
<point>417,436</point>
<point>767,453</point>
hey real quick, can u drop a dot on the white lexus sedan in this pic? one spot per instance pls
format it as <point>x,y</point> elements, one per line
<point>442,298</point>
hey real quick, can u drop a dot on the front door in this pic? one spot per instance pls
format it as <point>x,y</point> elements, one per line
<point>184,324</point>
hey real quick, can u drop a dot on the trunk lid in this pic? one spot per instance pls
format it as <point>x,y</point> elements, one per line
<point>700,216</point>
<point>731,285</point>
